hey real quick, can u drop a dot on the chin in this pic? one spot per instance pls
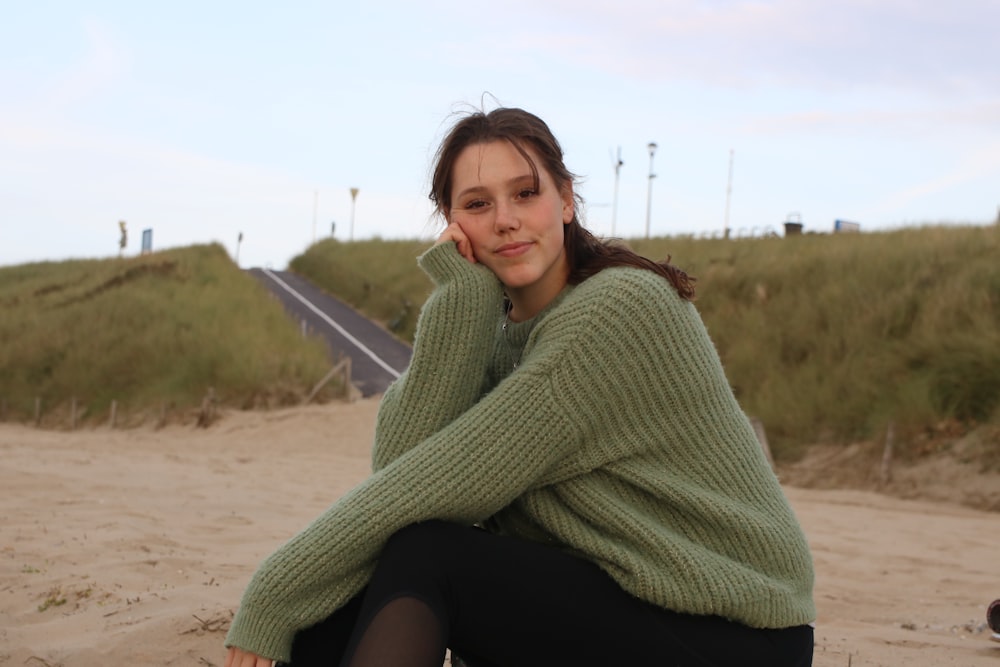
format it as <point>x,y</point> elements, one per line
<point>516,281</point>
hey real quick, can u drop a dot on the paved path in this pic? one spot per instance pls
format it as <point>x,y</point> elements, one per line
<point>377,357</point>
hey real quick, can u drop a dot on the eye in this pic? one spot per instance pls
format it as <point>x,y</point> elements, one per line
<point>473,204</point>
<point>526,193</point>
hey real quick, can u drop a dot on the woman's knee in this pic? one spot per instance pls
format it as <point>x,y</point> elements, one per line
<point>431,542</point>
<point>420,561</point>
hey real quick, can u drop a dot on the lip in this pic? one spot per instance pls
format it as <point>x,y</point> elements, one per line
<point>514,249</point>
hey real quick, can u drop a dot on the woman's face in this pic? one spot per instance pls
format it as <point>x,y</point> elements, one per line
<point>515,228</point>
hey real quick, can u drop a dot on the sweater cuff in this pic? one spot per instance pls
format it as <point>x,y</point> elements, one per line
<point>255,634</point>
<point>443,264</point>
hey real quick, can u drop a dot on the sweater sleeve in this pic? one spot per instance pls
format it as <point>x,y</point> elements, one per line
<point>469,470</point>
<point>456,323</point>
<point>460,463</point>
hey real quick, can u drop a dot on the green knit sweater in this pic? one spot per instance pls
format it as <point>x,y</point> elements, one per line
<point>617,438</point>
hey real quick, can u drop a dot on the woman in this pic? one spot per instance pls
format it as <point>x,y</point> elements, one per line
<point>561,477</point>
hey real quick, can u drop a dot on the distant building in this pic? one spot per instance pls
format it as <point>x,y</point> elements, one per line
<point>793,224</point>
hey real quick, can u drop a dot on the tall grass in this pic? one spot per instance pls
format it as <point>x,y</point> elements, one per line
<point>829,337</point>
<point>824,337</point>
<point>160,329</point>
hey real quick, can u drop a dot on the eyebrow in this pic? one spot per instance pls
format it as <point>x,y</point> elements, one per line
<point>481,188</point>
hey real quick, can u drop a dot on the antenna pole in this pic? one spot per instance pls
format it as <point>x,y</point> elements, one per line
<point>729,192</point>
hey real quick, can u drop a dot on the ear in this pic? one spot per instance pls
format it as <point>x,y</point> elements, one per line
<point>569,205</point>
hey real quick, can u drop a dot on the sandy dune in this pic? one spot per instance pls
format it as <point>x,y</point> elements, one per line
<point>132,547</point>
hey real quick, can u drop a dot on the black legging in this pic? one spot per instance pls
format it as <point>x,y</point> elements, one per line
<point>498,601</point>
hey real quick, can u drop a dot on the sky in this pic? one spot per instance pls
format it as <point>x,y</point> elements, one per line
<point>215,121</point>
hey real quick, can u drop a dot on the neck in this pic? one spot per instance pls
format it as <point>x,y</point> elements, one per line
<point>528,301</point>
<point>524,307</point>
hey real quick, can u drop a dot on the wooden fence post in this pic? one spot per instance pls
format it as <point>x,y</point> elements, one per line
<point>114,412</point>
<point>38,410</point>
<point>885,469</point>
<point>349,391</point>
<point>342,368</point>
<point>207,413</point>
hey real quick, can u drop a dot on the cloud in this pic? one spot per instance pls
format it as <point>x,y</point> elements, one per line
<point>921,45</point>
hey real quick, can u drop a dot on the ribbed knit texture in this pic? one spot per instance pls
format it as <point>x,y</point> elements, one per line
<point>618,438</point>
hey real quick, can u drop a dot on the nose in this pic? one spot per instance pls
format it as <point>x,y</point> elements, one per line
<point>506,217</point>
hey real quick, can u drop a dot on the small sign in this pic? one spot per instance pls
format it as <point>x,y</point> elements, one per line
<point>845,227</point>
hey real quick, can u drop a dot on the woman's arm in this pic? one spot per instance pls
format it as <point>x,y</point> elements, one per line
<point>454,338</point>
<point>470,469</point>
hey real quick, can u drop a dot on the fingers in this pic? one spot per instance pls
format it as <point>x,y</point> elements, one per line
<point>237,657</point>
<point>454,232</point>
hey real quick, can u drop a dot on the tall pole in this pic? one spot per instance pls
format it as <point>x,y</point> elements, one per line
<point>354,198</point>
<point>315,206</point>
<point>614,202</point>
<point>729,193</point>
<point>649,193</point>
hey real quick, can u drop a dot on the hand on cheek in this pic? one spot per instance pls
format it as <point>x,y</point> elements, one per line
<point>453,232</point>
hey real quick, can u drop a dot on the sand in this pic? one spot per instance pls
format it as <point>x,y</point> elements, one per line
<point>131,547</point>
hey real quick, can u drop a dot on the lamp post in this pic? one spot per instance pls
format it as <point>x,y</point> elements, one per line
<point>354,198</point>
<point>614,202</point>
<point>315,206</point>
<point>649,193</point>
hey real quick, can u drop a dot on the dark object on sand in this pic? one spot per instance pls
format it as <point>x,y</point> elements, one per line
<point>993,619</point>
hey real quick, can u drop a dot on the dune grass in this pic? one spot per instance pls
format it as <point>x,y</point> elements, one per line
<point>825,338</point>
<point>150,332</point>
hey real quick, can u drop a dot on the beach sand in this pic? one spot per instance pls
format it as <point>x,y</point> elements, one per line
<point>132,547</point>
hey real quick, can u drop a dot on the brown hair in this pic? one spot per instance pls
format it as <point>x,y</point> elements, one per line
<point>586,254</point>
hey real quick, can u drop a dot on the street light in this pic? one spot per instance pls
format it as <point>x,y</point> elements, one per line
<point>354,198</point>
<point>614,204</point>
<point>649,194</point>
<point>315,206</point>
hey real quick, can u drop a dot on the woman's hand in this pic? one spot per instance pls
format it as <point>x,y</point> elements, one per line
<point>454,232</point>
<point>237,657</point>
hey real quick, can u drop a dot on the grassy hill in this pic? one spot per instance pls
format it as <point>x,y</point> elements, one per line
<point>826,338</point>
<point>153,333</point>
